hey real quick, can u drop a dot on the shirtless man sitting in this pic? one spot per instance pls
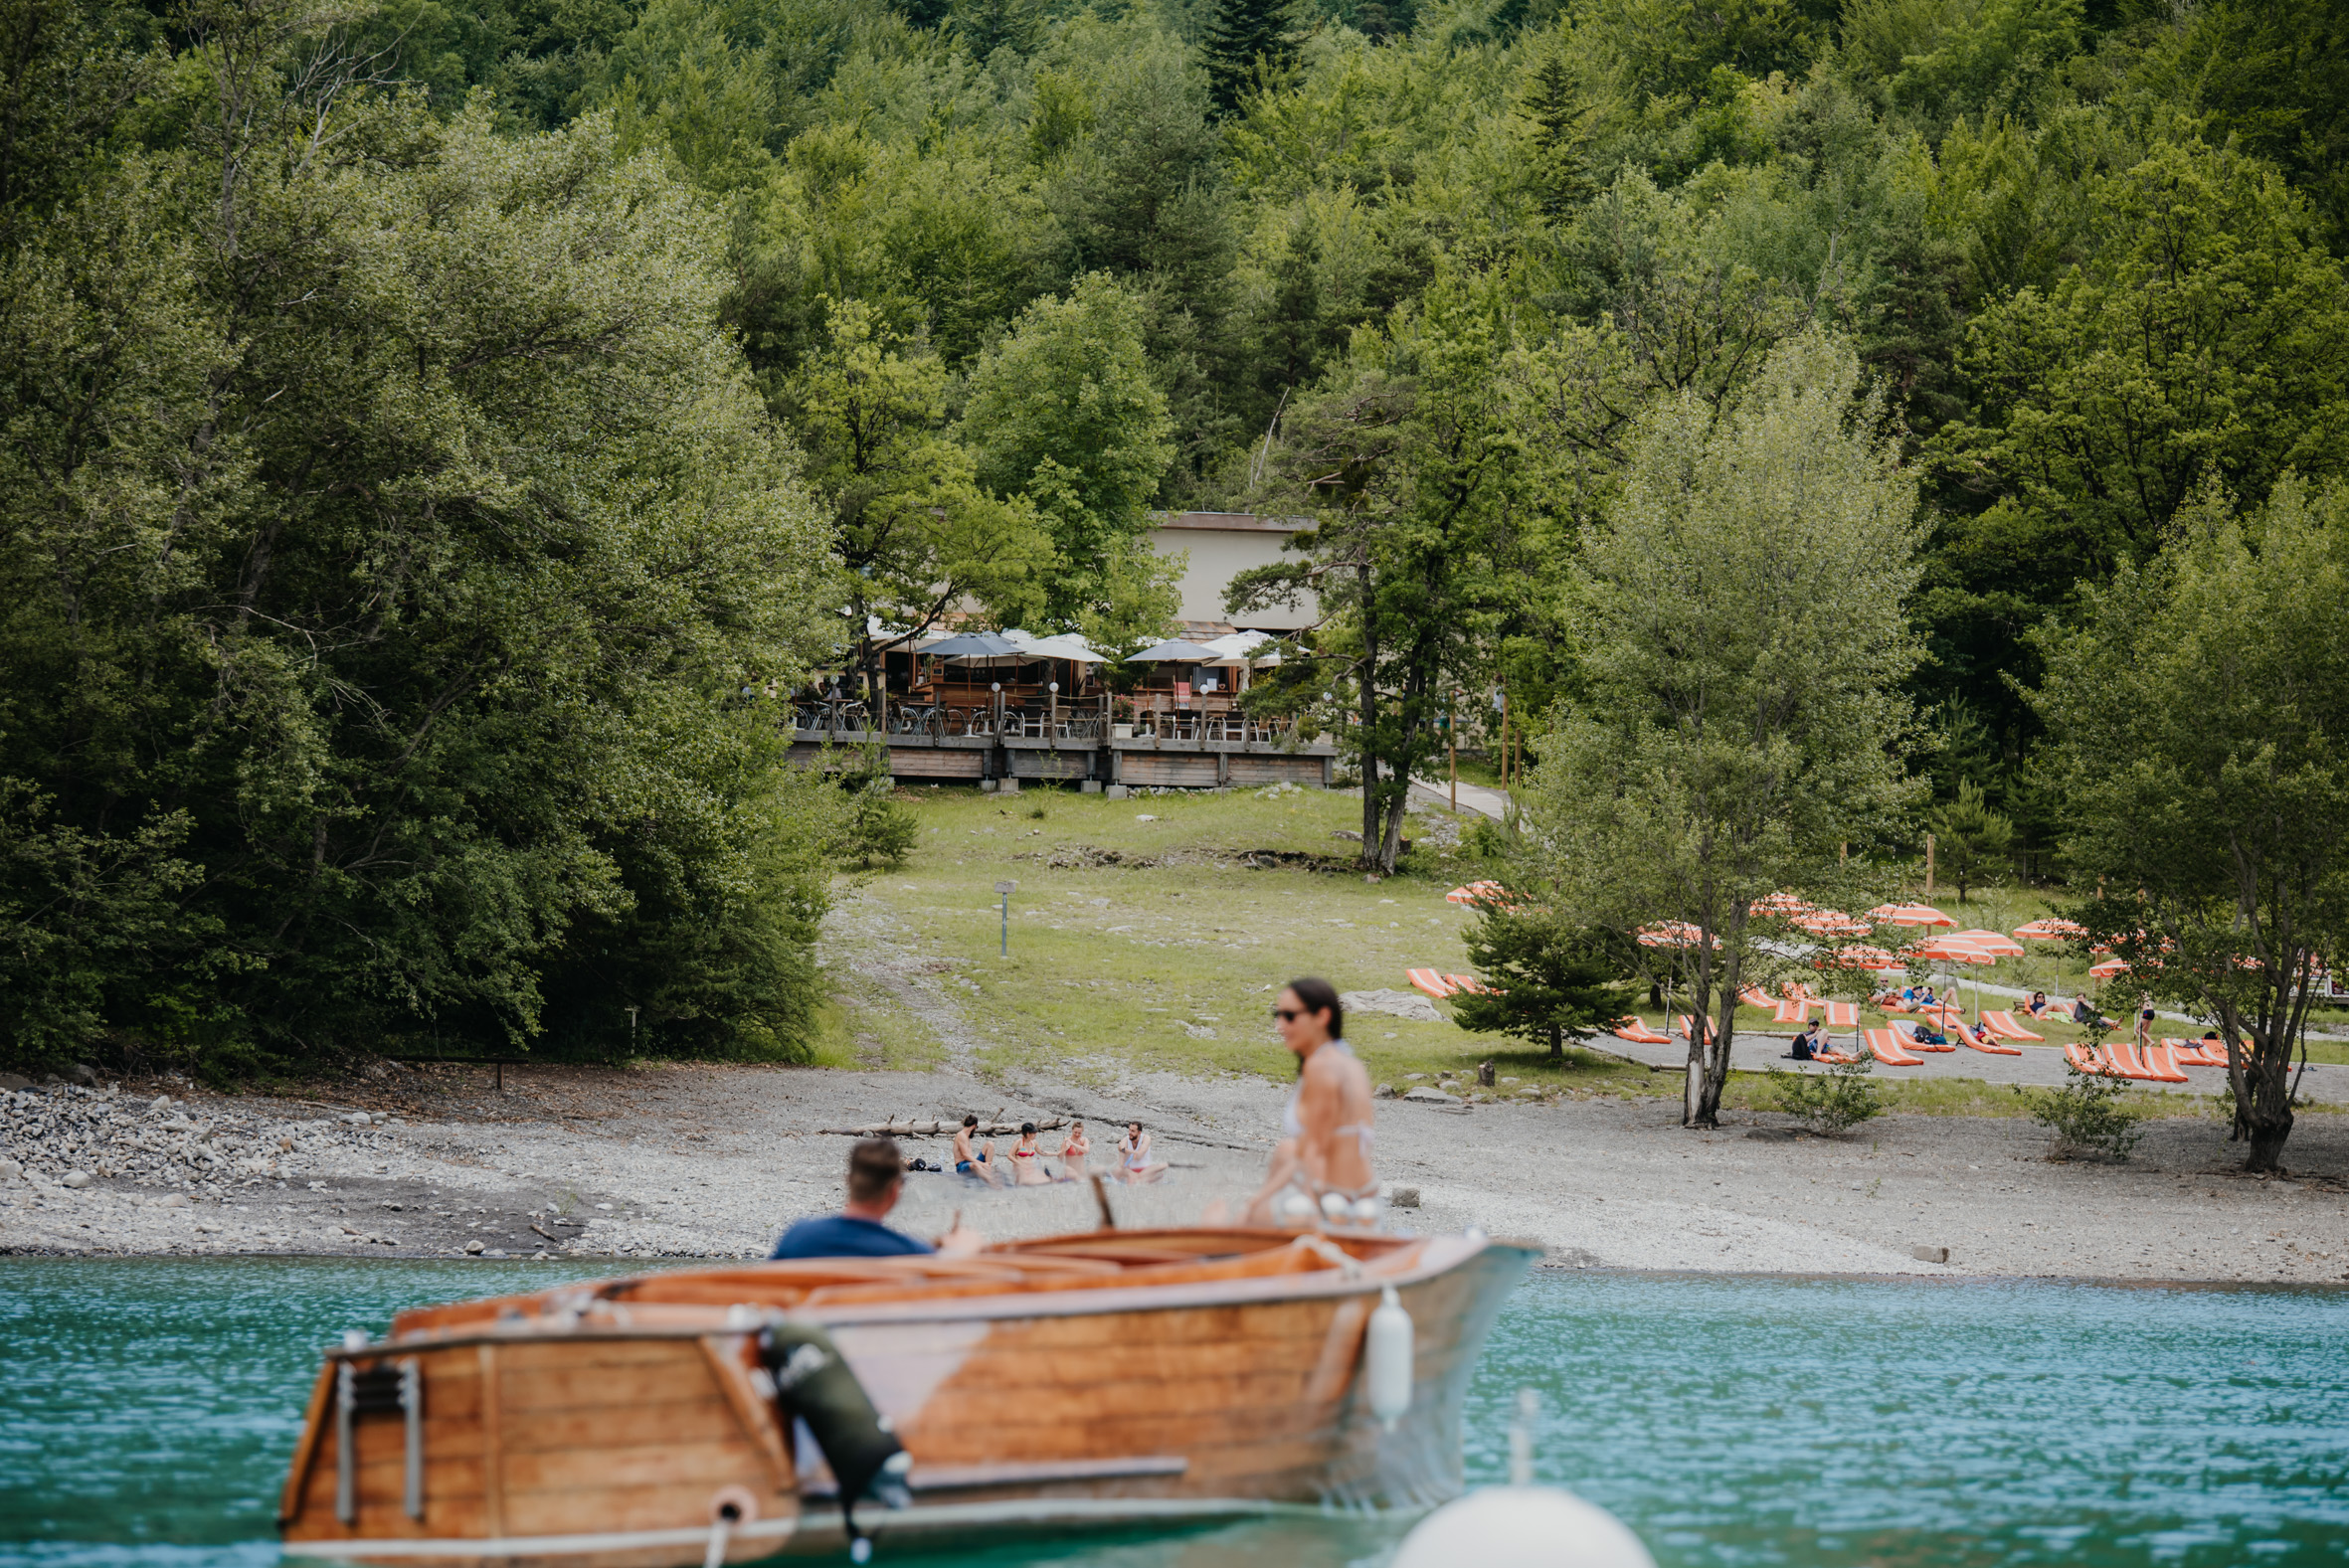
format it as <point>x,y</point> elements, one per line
<point>979,1162</point>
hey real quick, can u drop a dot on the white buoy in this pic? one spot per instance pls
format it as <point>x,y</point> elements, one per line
<point>1386,1357</point>
<point>1522,1527</point>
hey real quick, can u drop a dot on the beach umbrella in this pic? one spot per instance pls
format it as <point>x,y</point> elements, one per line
<point>1954,948</point>
<point>1779,904</point>
<point>2050,929</point>
<point>1672,934</point>
<point>1992,941</point>
<point>2108,968</point>
<point>1832,923</point>
<point>1908,914</point>
<point>1859,957</point>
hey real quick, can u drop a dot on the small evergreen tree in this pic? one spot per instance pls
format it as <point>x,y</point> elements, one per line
<point>1559,172</point>
<point>1545,976</point>
<point>1247,41</point>
<point>1969,838</point>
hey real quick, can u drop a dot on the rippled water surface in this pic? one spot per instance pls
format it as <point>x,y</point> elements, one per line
<point>148,1407</point>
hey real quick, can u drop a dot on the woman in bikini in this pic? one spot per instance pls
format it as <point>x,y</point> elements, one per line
<point>1073,1150</point>
<point>1027,1160</point>
<point>1133,1162</point>
<point>1320,1170</point>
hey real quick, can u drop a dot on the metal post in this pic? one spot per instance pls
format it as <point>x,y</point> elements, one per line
<point>1003,950</point>
<point>1452,746</point>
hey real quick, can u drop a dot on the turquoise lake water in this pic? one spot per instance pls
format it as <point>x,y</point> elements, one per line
<point>148,1407</point>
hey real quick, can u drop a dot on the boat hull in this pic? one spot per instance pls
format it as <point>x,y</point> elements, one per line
<point>624,1439</point>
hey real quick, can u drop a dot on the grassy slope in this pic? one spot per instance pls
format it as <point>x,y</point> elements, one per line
<point>1169,960</point>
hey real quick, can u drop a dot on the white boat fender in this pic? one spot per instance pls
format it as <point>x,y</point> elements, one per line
<point>1522,1527</point>
<point>814,1383</point>
<point>1387,1358</point>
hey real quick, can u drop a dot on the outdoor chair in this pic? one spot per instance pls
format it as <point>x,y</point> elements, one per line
<point>1635,1030</point>
<point>1429,982</point>
<point>2003,1025</point>
<point>1843,1015</point>
<point>1885,1046</point>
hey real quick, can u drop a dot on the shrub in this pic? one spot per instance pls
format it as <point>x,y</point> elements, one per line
<point>2087,1115</point>
<point>1842,1097</point>
<point>881,829</point>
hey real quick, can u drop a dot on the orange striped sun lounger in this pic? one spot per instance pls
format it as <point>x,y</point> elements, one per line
<point>2198,1053</point>
<point>1465,983</point>
<point>1755,996</point>
<point>1688,1026</point>
<point>1843,1015</point>
<point>1633,1030</point>
<point>2160,1068</point>
<point>1790,1012</point>
<point>2123,1054</point>
<point>2004,1026</point>
<point>1985,1041</point>
<point>1838,1058</point>
<point>1429,982</point>
<point>1895,1004</point>
<point>1885,1046</point>
<point>2088,1060</point>
<point>1908,1037</point>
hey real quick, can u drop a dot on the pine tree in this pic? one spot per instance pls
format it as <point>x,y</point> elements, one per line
<point>1543,976</point>
<point>1247,42</point>
<point>1972,839</point>
<point>1558,173</point>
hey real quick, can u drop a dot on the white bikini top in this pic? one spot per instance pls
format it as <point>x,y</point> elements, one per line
<point>1291,1126</point>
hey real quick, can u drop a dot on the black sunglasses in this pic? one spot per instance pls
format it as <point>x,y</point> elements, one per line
<point>1289,1014</point>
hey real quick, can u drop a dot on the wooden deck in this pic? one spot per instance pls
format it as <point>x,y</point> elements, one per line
<point>1200,760</point>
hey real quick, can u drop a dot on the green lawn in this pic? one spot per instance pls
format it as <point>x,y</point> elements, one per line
<point>1168,957</point>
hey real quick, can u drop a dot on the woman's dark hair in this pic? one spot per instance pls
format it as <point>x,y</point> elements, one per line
<point>1315,994</point>
<point>1028,1130</point>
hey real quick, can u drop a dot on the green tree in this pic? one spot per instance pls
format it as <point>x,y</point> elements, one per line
<point>1556,112</point>
<point>1543,978</point>
<point>1970,841</point>
<point>1063,412</point>
<point>1741,717</point>
<point>1248,43</point>
<point>387,527</point>
<point>1406,464</point>
<point>2196,723</point>
<point>914,532</point>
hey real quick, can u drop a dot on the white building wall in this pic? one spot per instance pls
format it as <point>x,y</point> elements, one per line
<point>1221,546</point>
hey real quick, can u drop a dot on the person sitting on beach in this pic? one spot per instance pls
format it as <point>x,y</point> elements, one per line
<point>1325,1149</point>
<point>978,1163</point>
<point>1806,1044</point>
<point>876,1178</point>
<point>1074,1147</point>
<point>1133,1161</point>
<point>1027,1160</point>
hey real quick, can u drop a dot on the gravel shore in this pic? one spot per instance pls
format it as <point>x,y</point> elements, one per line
<point>712,1162</point>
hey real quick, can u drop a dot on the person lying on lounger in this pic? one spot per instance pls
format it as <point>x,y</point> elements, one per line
<point>1927,1035</point>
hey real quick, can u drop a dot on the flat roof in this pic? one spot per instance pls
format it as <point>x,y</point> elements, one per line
<point>1232,522</point>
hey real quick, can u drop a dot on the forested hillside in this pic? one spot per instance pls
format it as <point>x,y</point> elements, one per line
<point>432,429</point>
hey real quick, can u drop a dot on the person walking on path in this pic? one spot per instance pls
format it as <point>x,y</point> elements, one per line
<point>1326,1140</point>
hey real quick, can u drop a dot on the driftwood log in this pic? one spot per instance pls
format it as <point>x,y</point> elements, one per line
<point>936,1128</point>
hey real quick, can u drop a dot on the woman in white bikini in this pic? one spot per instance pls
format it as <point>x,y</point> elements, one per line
<point>1320,1170</point>
<point>1133,1162</point>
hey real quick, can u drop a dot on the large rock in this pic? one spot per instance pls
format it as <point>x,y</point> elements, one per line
<point>1394,1004</point>
<point>1431,1097</point>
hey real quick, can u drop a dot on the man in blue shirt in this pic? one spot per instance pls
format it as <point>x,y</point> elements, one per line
<point>876,1175</point>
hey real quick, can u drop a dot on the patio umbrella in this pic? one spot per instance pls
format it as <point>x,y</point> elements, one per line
<point>1859,957</point>
<point>1991,942</point>
<point>2108,968</point>
<point>1958,949</point>
<point>1832,923</point>
<point>1175,653</point>
<point>1910,915</point>
<point>974,646</point>
<point>1780,904</point>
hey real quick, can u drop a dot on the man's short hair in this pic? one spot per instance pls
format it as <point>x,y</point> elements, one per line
<point>874,1164</point>
<point>969,1118</point>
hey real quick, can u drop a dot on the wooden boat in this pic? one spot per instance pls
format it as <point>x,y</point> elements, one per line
<point>1108,1378</point>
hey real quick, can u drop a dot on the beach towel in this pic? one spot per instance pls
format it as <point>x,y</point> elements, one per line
<point>1885,1046</point>
<point>1430,984</point>
<point>1632,1029</point>
<point>1982,1040</point>
<point>1843,1015</point>
<point>2004,1026</point>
